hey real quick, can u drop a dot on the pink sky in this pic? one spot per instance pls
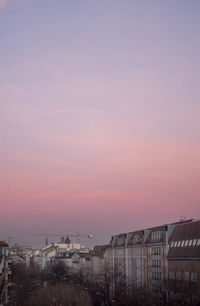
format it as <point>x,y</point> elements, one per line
<point>99,116</point>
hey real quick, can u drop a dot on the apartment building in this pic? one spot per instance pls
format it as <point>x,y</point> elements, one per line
<point>142,258</point>
<point>184,261</point>
<point>4,273</point>
<point>75,261</point>
<point>73,256</point>
<point>156,257</point>
<point>137,262</point>
<point>100,259</point>
<point>119,255</point>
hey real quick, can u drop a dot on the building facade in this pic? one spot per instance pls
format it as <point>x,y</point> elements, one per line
<point>137,262</point>
<point>5,273</point>
<point>145,259</point>
<point>184,262</point>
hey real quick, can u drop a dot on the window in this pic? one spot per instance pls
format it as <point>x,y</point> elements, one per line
<point>182,243</point>
<point>186,276</point>
<point>120,241</point>
<point>149,249</point>
<point>136,238</point>
<point>198,241</point>
<point>190,242</point>
<point>172,244</point>
<point>194,276</point>
<point>175,244</point>
<point>194,242</point>
<point>171,274</point>
<point>178,275</point>
<point>156,235</point>
<point>179,243</point>
<point>186,242</point>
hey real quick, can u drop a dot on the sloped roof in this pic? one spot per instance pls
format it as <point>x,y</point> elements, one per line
<point>185,232</point>
<point>99,250</point>
<point>133,240</point>
<point>162,229</point>
<point>120,240</point>
<point>49,250</point>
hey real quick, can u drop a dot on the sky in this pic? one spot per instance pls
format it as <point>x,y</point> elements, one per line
<point>99,116</point>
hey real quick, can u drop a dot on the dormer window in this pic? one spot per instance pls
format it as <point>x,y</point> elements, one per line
<point>156,235</point>
<point>136,238</point>
<point>194,242</point>
<point>120,241</point>
<point>190,242</point>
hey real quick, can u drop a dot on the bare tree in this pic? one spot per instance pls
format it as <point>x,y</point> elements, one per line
<point>61,294</point>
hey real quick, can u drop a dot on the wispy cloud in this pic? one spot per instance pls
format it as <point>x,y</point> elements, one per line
<point>122,195</point>
<point>44,195</point>
<point>73,177</point>
<point>3,3</point>
<point>63,111</point>
<point>69,111</point>
<point>146,124</point>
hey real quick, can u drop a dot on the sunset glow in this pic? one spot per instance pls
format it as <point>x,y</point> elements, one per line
<point>99,115</point>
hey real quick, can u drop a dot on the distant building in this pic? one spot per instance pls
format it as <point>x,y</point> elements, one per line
<point>70,254</point>
<point>100,259</point>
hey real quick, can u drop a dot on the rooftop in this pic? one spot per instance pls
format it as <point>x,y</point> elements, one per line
<point>99,250</point>
<point>185,241</point>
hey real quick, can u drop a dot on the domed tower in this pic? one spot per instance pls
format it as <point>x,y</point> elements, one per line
<point>67,240</point>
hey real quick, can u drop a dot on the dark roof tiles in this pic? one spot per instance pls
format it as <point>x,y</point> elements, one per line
<point>99,250</point>
<point>136,238</point>
<point>185,232</point>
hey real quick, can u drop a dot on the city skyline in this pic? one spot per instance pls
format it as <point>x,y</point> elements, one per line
<point>100,115</point>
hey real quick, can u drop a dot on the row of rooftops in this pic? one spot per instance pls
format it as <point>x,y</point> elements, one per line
<point>187,228</point>
<point>183,238</point>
